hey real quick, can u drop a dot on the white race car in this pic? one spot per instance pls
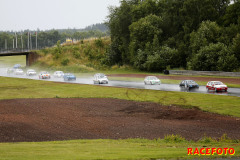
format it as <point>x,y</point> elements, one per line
<point>31,72</point>
<point>18,72</point>
<point>58,74</point>
<point>44,75</point>
<point>152,80</point>
<point>10,70</point>
<point>100,78</point>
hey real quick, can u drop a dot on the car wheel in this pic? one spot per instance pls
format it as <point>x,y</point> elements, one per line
<point>99,82</point>
<point>215,89</point>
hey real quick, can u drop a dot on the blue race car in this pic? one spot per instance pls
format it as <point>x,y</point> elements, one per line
<point>69,77</point>
<point>188,84</point>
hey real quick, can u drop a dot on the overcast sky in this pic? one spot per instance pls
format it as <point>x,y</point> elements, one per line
<point>19,15</point>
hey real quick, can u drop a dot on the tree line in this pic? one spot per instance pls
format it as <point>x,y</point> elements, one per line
<point>154,35</point>
<point>29,38</point>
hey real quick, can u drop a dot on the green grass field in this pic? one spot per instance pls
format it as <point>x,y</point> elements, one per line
<point>9,61</point>
<point>108,149</point>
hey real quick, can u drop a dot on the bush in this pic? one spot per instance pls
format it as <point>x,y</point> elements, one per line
<point>99,43</point>
<point>91,57</point>
<point>45,51</point>
<point>214,57</point>
<point>207,140</point>
<point>65,61</point>
<point>159,60</point>
<point>140,59</point>
<point>112,55</point>
<point>76,54</point>
<point>56,56</point>
<point>174,138</point>
<point>87,50</point>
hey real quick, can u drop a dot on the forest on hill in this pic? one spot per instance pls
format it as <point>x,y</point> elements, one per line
<point>49,38</point>
<point>154,35</point>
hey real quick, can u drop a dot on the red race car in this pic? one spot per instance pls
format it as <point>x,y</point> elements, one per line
<point>216,86</point>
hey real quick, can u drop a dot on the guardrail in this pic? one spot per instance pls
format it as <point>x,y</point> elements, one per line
<point>14,50</point>
<point>205,73</point>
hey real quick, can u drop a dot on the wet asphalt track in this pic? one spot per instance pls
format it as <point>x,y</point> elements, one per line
<point>126,84</point>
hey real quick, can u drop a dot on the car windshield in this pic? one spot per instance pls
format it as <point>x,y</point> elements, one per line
<point>59,72</point>
<point>218,83</point>
<point>69,74</point>
<point>31,70</point>
<point>153,78</point>
<point>101,76</point>
<point>44,72</point>
<point>18,69</point>
<point>17,66</point>
<point>191,82</point>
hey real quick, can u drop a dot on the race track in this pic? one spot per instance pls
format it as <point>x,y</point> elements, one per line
<point>128,84</point>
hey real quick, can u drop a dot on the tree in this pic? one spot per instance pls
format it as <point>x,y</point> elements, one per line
<point>232,15</point>
<point>196,11</point>
<point>214,57</point>
<point>143,32</point>
<point>208,32</point>
<point>186,26</point>
<point>119,20</point>
<point>145,8</point>
<point>236,47</point>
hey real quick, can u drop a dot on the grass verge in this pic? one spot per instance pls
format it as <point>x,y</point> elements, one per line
<point>9,61</point>
<point>111,149</point>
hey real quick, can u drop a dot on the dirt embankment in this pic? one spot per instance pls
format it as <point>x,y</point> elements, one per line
<point>224,80</point>
<point>63,119</point>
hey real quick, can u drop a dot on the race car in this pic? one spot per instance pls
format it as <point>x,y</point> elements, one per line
<point>58,74</point>
<point>69,77</point>
<point>100,78</point>
<point>44,75</point>
<point>31,72</point>
<point>10,70</point>
<point>188,84</point>
<point>152,80</point>
<point>216,86</point>
<point>18,71</point>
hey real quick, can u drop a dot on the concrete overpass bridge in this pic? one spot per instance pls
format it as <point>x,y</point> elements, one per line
<point>31,55</point>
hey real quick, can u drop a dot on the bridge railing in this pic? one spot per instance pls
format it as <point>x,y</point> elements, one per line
<point>17,50</point>
<point>14,50</point>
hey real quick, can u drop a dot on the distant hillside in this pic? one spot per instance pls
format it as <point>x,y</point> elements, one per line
<point>85,55</point>
<point>95,27</point>
<point>49,38</point>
